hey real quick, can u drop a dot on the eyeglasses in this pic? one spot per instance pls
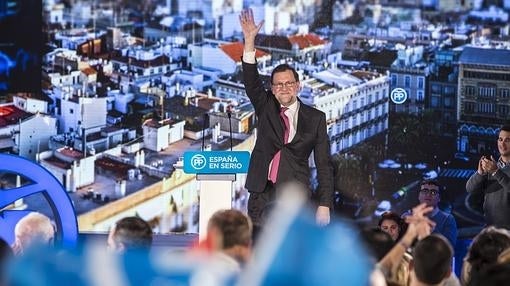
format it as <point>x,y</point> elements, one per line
<point>429,192</point>
<point>287,84</point>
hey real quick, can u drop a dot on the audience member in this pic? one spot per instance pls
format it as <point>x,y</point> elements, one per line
<point>32,229</point>
<point>392,224</point>
<point>377,241</point>
<point>233,230</point>
<point>484,251</point>
<point>494,275</point>
<point>130,233</point>
<point>395,263</point>
<point>429,194</point>
<point>432,261</point>
<point>5,255</point>
<point>492,180</point>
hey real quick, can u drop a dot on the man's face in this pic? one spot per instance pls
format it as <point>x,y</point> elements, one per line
<point>429,194</point>
<point>504,143</point>
<point>285,87</point>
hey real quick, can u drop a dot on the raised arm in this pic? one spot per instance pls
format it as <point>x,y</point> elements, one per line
<point>250,29</point>
<point>252,82</point>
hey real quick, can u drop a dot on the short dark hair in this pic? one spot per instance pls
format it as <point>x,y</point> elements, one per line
<point>390,216</point>
<point>430,182</point>
<point>432,259</point>
<point>133,232</point>
<point>234,226</point>
<point>494,275</point>
<point>505,127</point>
<point>283,68</point>
<point>486,247</point>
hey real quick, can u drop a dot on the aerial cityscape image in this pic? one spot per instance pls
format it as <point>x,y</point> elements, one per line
<point>108,95</point>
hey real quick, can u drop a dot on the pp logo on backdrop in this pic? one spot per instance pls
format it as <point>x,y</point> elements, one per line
<point>398,95</point>
<point>40,181</point>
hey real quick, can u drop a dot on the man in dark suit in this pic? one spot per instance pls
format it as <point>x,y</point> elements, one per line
<point>288,132</point>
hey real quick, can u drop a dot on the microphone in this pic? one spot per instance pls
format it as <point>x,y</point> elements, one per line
<point>203,130</point>
<point>230,127</point>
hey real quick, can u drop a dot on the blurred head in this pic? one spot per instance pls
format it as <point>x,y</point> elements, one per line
<point>485,249</point>
<point>494,275</point>
<point>233,231</point>
<point>429,193</point>
<point>285,84</point>
<point>391,223</point>
<point>5,255</point>
<point>504,141</point>
<point>432,259</point>
<point>378,242</point>
<point>130,233</point>
<point>32,229</point>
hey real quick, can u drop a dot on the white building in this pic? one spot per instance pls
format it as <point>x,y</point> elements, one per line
<point>69,167</point>
<point>34,134</point>
<point>355,104</point>
<point>30,104</point>
<point>220,55</point>
<point>25,133</point>
<point>76,112</point>
<point>158,135</point>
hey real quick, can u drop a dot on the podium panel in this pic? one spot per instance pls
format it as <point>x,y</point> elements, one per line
<point>215,194</point>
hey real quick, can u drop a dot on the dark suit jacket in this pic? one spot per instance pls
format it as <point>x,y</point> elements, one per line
<point>311,135</point>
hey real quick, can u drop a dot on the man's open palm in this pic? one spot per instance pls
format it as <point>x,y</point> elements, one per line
<point>250,30</point>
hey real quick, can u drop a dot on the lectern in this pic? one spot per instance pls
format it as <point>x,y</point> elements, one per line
<point>215,170</point>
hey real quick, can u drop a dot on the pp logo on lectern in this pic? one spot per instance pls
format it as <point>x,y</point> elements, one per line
<point>216,162</point>
<point>198,162</point>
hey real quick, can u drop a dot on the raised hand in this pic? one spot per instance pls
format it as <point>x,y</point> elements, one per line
<point>419,224</point>
<point>480,169</point>
<point>250,29</point>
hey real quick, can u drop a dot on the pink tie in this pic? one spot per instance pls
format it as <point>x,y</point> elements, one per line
<point>273,173</point>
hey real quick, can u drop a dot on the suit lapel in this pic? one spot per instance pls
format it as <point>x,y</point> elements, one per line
<point>276,121</point>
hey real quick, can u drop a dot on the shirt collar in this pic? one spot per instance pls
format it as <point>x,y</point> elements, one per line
<point>502,164</point>
<point>293,107</point>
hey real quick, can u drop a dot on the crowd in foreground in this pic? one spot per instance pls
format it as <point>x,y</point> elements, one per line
<point>291,250</point>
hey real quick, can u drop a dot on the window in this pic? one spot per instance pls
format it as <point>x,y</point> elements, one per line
<point>448,102</point>
<point>503,110</point>
<point>434,101</point>
<point>486,91</point>
<point>421,82</point>
<point>407,81</point>
<point>436,88</point>
<point>419,95</point>
<point>469,107</point>
<point>504,92</point>
<point>449,90</point>
<point>470,90</point>
<point>393,80</point>
<point>71,111</point>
